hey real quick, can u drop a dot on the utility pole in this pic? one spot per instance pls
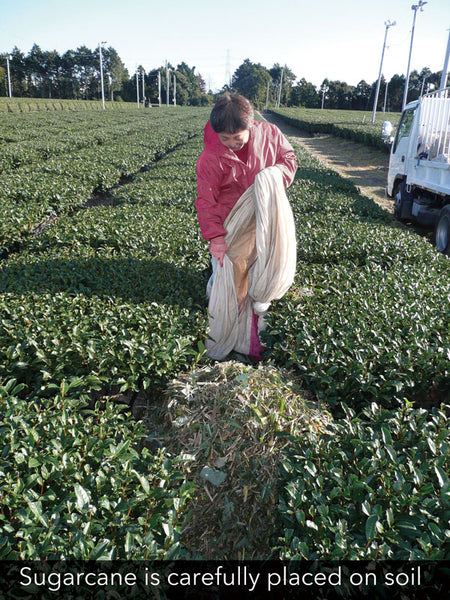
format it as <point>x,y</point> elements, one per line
<point>227,71</point>
<point>8,58</point>
<point>387,24</point>
<point>110,87</point>
<point>101,73</point>
<point>159,88</point>
<point>279,91</point>
<point>167,84</point>
<point>445,69</point>
<point>325,89</point>
<point>137,87</point>
<point>143,84</point>
<point>415,8</point>
<point>422,86</point>
<point>174,89</point>
<point>385,97</point>
<point>267,94</point>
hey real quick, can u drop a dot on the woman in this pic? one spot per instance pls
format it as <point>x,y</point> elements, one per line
<point>237,149</point>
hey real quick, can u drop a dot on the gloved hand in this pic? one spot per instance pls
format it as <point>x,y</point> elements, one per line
<point>218,248</point>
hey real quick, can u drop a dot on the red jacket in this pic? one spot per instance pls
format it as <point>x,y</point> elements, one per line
<point>222,177</point>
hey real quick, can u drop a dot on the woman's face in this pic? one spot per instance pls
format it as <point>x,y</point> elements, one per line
<point>235,141</point>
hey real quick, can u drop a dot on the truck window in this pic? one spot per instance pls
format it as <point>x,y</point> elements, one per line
<point>404,127</point>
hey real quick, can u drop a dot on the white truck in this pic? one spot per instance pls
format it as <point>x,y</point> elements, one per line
<point>419,165</point>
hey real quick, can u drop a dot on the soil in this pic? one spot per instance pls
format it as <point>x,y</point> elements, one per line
<point>367,167</point>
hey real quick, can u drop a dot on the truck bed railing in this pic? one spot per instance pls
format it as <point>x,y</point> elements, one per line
<point>434,127</point>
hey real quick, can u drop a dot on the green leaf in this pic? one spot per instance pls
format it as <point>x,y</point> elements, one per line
<point>129,542</point>
<point>311,525</point>
<point>371,524</point>
<point>36,509</point>
<point>386,435</point>
<point>408,526</point>
<point>441,475</point>
<point>143,481</point>
<point>98,553</point>
<point>390,516</point>
<point>365,506</point>
<point>82,498</point>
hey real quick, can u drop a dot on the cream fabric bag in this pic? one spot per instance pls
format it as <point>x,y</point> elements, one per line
<point>259,265</point>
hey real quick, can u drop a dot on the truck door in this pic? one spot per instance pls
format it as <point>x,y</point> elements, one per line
<point>398,159</point>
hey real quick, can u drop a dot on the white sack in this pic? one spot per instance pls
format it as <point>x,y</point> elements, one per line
<point>259,265</point>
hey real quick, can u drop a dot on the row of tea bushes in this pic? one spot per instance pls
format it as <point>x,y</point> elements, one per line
<point>113,299</point>
<point>26,105</point>
<point>375,486</point>
<point>112,291</point>
<point>30,140</point>
<point>63,167</point>
<point>367,324</point>
<point>367,317</point>
<point>349,124</point>
<point>79,483</point>
<point>109,301</point>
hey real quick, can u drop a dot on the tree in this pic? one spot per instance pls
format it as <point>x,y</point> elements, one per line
<point>4,79</point>
<point>287,79</point>
<point>395,92</point>
<point>188,82</point>
<point>251,80</point>
<point>52,73</point>
<point>86,72</point>
<point>17,66</point>
<point>70,83</point>
<point>361,96</point>
<point>305,94</point>
<point>35,67</point>
<point>339,95</point>
<point>114,69</point>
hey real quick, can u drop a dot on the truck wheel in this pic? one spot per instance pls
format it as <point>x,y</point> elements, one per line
<point>402,202</point>
<point>442,233</point>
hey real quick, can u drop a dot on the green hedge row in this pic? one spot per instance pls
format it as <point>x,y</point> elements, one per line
<point>367,317</point>
<point>59,169</point>
<point>114,299</point>
<point>353,125</point>
<point>79,483</point>
<point>25,105</point>
<point>375,486</point>
<point>110,291</point>
<point>104,302</point>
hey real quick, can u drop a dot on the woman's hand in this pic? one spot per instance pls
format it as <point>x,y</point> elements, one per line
<point>218,248</point>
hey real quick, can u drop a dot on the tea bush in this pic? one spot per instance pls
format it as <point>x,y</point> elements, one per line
<point>367,317</point>
<point>112,292</point>
<point>349,124</point>
<point>113,298</point>
<point>108,300</point>
<point>375,486</point>
<point>53,164</point>
<point>79,483</point>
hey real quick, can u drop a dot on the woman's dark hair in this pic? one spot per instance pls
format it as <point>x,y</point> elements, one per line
<point>231,113</point>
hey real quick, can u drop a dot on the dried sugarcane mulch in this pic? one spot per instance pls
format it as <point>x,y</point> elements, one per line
<point>230,422</point>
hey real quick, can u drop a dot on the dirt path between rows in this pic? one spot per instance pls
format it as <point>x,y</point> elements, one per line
<point>367,167</point>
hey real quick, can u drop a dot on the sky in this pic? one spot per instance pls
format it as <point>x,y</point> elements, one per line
<point>317,39</point>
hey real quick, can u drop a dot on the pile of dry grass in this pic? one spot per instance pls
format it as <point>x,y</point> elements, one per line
<point>230,422</point>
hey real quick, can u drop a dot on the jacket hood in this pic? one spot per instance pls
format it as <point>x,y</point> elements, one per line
<point>213,144</point>
<point>211,139</point>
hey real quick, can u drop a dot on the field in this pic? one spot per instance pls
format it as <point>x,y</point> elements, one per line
<point>120,439</point>
<point>350,124</point>
<point>15,105</point>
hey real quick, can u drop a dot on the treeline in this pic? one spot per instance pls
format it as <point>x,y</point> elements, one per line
<point>76,75</point>
<point>279,86</point>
